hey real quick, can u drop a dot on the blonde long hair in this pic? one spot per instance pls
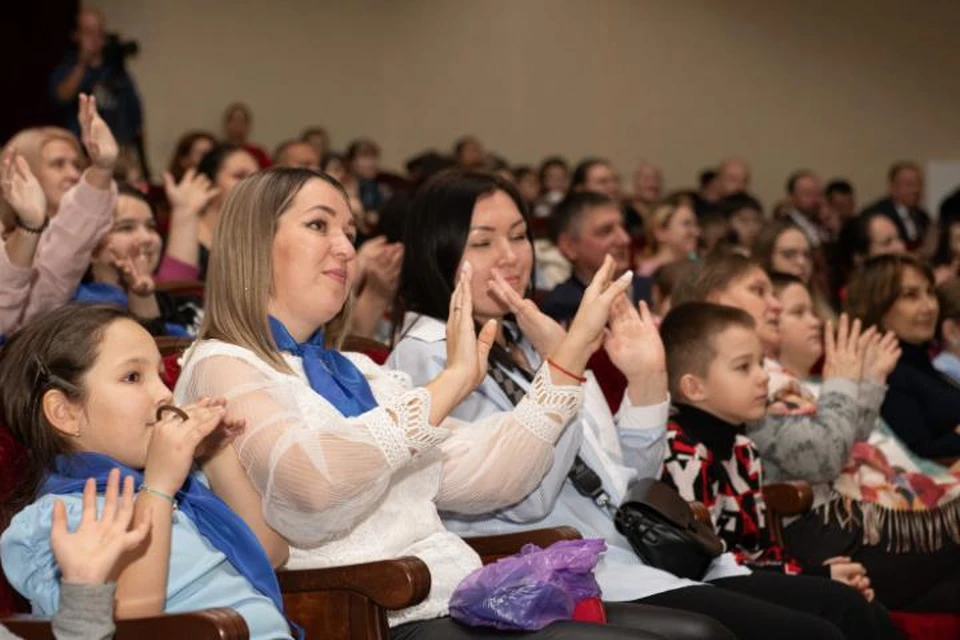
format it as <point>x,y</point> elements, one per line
<point>660,217</point>
<point>29,143</point>
<point>240,271</point>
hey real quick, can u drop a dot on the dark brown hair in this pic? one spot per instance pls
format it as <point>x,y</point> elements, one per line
<point>877,285</point>
<point>711,275</point>
<point>183,149</point>
<point>54,351</point>
<point>688,333</point>
<point>766,241</point>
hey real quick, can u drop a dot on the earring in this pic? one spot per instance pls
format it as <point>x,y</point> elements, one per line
<point>77,434</point>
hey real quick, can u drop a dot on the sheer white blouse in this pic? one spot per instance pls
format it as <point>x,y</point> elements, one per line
<point>347,490</point>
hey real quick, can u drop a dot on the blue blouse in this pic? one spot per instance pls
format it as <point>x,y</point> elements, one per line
<point>199,577</point>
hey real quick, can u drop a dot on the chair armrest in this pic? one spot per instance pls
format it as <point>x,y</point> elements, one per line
<point>792,498</point>
<point>390,584</point>
<point>215,624</point>
<point>492,548</point>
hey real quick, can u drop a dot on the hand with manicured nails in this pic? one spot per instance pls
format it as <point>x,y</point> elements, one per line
<point>467,352</point>
<point>587,327</point>
<point>89,555</point>
<point>543,332</point>
<point>96,136</point>
<point>22,190</point>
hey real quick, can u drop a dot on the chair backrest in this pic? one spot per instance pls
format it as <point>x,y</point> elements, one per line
<point>373,349</point>
<point>183,287</point>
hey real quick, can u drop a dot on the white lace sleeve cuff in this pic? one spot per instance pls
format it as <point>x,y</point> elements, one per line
<point>402,428</point>
<point>547,408</point>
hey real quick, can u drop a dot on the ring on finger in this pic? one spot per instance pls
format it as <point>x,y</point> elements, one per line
<point>180,413</point>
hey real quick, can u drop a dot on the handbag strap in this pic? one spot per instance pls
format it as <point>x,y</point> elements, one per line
<point>585,480</point>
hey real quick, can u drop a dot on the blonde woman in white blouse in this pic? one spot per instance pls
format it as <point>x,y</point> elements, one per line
<point>342,460</point>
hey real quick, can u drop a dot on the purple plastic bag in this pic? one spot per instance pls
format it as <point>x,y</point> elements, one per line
<point>528,591</point>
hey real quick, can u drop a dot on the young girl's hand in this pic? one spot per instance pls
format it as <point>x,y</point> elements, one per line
<point>135,273</point>
<point>843,352</point>
<point>174,443</point>
<point>880,357</point>
<point>90,554</point>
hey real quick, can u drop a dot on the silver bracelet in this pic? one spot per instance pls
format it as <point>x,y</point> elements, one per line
<point>160,494</point>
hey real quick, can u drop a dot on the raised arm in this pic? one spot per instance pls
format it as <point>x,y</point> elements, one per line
<point>83,218</point>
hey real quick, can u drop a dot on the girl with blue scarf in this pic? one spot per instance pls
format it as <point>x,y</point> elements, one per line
<point>80,389</point>
<point>122,271</point>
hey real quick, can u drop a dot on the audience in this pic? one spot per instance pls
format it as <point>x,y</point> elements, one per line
<point>804,200</point>
<point>913,560</point>
<point>615,449</point>
<point>95,69</point>
<point>647,189</point>
<point>237,123</point>
<point>224,166</point>
<point>43,260</point>
<point>896,293</point>
<point>744,215</point>
<point>296,153</point>
<point>902,204</point>
<point>80,388</point>
<point>733,176</point>
<point>718,383</point>
<point>587,227</point>
<point>189,150</point>
<point>338,451</point>
<point>486,417</point>
<point>318,138</point>
<point>672,233</point>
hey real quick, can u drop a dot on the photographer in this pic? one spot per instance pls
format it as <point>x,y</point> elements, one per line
<point>96,67</point>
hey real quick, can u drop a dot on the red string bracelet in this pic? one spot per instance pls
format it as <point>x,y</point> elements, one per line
<point>569,374</point>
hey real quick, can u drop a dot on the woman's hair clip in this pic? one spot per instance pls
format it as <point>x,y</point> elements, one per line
<point>43,374</point>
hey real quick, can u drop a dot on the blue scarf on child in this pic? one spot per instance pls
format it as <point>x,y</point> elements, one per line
<point>213,518</point>
<point>329,372</point>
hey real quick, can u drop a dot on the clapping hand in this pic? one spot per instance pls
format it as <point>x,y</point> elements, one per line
<point>591,319</point>
<point>22,190</point>
<point>135,273</point>
<point>843,352</point>
<point>467,352</point>
<point>89,555</point>
<point>96,135</point>
<point>880,357</point>
<point>192,194</point>
<point>543,332</point>
<point>635,348</point>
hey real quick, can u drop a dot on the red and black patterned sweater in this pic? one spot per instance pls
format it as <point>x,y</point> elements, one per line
<point>713,462</point>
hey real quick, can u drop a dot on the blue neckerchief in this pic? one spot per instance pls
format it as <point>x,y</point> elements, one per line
<point>330,374</point>
<point>103,293</point>
<point>213,518</point>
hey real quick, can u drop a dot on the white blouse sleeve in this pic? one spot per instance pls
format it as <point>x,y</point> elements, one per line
<point>497,461</point>
<point>318,473</point>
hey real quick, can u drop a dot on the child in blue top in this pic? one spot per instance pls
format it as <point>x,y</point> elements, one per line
<point>80,389</point>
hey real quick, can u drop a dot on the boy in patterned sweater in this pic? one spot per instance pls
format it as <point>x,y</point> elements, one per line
<point>717,380</point>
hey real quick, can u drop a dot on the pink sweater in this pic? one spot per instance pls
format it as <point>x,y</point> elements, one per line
<point>63,255</point>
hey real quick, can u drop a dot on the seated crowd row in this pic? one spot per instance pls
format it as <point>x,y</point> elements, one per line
<point>275,449</point>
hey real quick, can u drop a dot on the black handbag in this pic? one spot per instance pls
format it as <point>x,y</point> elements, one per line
<point>657,522</point>
<point>664,532</point>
